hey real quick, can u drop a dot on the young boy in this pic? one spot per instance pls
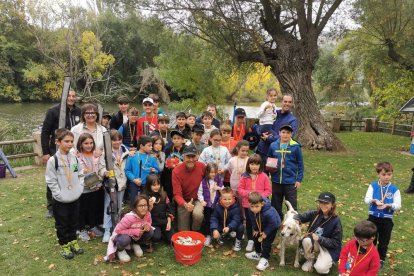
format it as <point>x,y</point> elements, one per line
<point>196,134</point>
<point>157,109</point>
<point>226,219</point>
<point>216,153</point>
<point>128,130</point>
<point>265,221</point>
<point>383,198</point>
<point>162,131</point>
<point>360,256</point>
<point>207,119</point>
<point>139,166</point>
<point>150,118</point>
<point>64,180</point>
<point>239,129</point>
<point>120,117</point>
<point>106,118</point>
<point>288,176</point>
<point>173,156</point>
<point>191,120</point>
<point>181,121</point>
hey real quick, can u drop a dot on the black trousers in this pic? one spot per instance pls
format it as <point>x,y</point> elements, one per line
<point>384,227</point>
<point>286,191</point>
<point>91,209</point>
<point>160,233</point>
<point>265,246</point>
<point>66,220</point>
<point>249,226</point>
<point>49,199</point>
<point>205,227</point>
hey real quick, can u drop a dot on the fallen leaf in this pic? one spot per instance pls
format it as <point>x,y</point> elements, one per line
<point>163,272</point>
<point>141,265</point>
<point>51,266</point>
<point>233,255</point>
<point>226,253</point>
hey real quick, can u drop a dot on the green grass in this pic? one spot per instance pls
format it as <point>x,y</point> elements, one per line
<point>28,243</point>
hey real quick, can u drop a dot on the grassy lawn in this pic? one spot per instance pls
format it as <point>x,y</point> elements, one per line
<point>28,243</point>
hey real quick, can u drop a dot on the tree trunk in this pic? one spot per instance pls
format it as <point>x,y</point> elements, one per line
<point>313,132</point>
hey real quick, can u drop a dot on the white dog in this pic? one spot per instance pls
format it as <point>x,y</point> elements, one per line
<point>291,234</point>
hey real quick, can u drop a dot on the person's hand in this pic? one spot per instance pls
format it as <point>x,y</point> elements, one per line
<point>147,227</point>
<point>226,230</point>
<point>137,181</point>
<point>298,185</point>
<point>45,158</point>
<point>255,233</point>
<point>152,170</point>
<point>216,187</point>
<point>131,152</point>
<point>383,206</point>
<point>315,237</point>
<point>189,206</point>
<point>168,227</point>
<point>220,171</point>
<point>269,106</point>
<point>97,153</point>
<point>204,203</point>
<point>216,234</point>
<point>263,235</point>
<point>265,135</point>
<point>85,170</point>
<point>106,174</point>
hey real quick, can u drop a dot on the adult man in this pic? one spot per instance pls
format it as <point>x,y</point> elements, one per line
<point>186,179</point>
<point>120,117</point>
<point>47,137</point>
<point>284,117</point>
<point>212,108</point>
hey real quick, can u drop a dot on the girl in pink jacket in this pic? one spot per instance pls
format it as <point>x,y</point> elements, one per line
<point>133,229</point>
<point>253,180</point>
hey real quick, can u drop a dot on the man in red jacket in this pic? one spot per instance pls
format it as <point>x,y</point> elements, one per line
<point>186,179</point>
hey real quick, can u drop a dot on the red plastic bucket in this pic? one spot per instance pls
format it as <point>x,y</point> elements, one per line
<point>188,254</point>
<point>2,170</point>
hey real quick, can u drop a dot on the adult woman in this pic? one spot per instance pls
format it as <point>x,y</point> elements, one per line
<point>324,233</point>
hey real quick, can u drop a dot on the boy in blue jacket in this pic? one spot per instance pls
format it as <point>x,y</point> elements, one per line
<point>287,177</point>
<point>265,221</point>
<point>139,166</point>
<point>226,218</point>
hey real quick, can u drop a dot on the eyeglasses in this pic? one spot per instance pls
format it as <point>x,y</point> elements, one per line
<point>90,113</point>
<point>363,240</point>
<point>142,206</point>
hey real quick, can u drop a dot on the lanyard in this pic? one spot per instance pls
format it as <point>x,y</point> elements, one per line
<point>358,262</point>
<point>239,136</point>
<point>225,218</point>
<point>132,135</point>
<point>68,171</point>
<point>319,226</point>
<point>141,167</point>
<point>254,183</point>
<point>383,195</point>
<point>118,155</point>
<point>259,227</point>
<point>242,168</point>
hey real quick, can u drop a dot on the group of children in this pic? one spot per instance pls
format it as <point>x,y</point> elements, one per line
<point>234,192</point>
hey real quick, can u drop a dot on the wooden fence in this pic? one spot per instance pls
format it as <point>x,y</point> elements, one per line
<point>36,152</point>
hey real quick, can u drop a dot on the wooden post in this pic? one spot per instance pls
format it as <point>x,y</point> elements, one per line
<point>368,124</point>
<point>350,125</point>
<point>37,148</point>
<point>336,124</point>
<point>393,127</point>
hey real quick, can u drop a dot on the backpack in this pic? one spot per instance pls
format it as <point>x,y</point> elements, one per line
<point>57,162</point>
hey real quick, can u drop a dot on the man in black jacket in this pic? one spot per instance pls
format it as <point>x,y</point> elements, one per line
<point>50,125</point>
<point>120,117</point>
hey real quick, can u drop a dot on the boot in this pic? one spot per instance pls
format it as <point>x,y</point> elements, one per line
<point>410,189</point>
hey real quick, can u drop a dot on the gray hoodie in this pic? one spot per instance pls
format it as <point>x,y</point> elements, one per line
<point>58,180</point>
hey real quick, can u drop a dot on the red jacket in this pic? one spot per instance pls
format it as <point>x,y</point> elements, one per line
<point>185,183</point>
<point>367,264</point>
<point>153,125</point>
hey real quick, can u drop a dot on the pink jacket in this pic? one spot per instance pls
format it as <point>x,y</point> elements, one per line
<point>262,186</point>
<point>131,224</point>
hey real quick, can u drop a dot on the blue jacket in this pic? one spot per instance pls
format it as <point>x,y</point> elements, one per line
<point>133,169</point>
<point>282,119</point>
<point>389,191</point>
<point>270,220</point>
<point>293,168</point>
<point>233,220</point>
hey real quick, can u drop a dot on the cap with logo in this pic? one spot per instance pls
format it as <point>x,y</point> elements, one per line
<point>326,197</point>
<point>190,150</point>
<point>148,100</point>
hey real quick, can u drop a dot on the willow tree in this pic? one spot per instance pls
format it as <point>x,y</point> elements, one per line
<point>282,34</point>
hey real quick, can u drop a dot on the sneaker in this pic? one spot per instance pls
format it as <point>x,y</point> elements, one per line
<point>66,252</point>
<point>137,250</point>
<point>97,231</point>
<point>84,236</point>
<point>106,236</point>
<point>381,264</point>
<point>233,234</point>
<point>123,256</point>
<point>307,266</point>
<point>250,245</point>
<point>237,245</point>
<point>207,242</point>
<point>263,264</point>
<point>75,248</point>
<point>49,214</point>
<point>253,256</point>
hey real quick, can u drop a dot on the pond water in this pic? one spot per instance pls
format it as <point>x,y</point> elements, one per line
<point>30,116</point>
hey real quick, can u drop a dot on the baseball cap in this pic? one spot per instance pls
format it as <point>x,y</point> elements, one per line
<point>176,132</point>
<point>106,114</point>
<point>147,99</point>
<point>190,150</point>
<point>240,112</point>
<point>198,128</point>
<point>326,197</point>
<point>286,127</point>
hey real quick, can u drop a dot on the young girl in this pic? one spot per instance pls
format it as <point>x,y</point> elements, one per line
<point>208,194</point>
<point>161,209</point>
<point>237,164</point>
<point>119,155</point>
<point>133,229</point>
<point>91,200</point>
<point>158,152</point>
<point>253,180</point>
<point>216,153</point>
<point>324,231</point>
<point>267,111</point>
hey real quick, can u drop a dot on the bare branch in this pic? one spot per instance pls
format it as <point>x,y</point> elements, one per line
<point>328,15</point>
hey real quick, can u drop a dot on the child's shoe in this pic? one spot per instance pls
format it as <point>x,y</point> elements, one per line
<point>106,236</point>
<point>84,236</point>
<point>66,252</point>
<point>75,248</point>
<point>237,245</point>
<point>263,264</point>
<point>250,245</point>
<point>97,231</point>
<point>253,256</point>
<point>123,256</point>
<point>307,266</point>
<point>137,250</point>
<point>207,242</point>
<point>49,214</point>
